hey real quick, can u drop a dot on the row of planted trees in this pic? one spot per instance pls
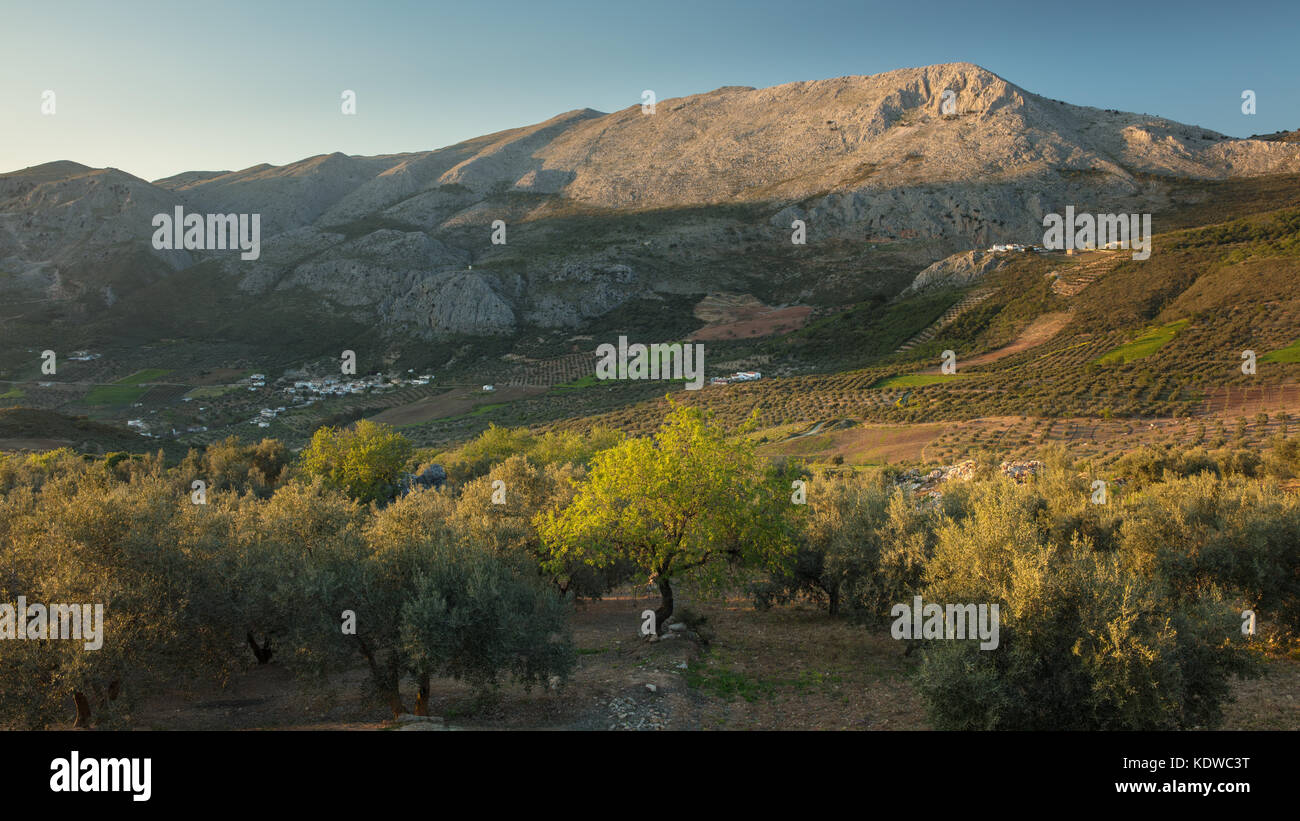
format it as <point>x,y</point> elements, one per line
<point>1122,611</point>
<point>1117,615</point>
<point>319,563</point>
<point>289,564</point>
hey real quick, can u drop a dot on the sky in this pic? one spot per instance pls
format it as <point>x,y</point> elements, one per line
<point>156,88</point>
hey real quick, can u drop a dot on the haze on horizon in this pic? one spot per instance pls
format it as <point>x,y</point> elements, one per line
<point>155,91</point>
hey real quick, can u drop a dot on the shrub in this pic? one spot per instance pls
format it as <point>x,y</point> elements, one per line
<point>1085,641</point>
<point>1239,535</point>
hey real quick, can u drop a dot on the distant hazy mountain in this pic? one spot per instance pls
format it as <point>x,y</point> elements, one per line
<point>601,209</point>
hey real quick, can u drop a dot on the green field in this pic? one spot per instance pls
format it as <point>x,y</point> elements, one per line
<point>1289,354</point>
<point>211,391</point>
<point>125,390</point>
<point>916,380</point>
<point>1148,343</point>
<point>13,393</point>
<point>587,381</point>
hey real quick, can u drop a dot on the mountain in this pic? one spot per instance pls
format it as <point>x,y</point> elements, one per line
<point>609,211</point>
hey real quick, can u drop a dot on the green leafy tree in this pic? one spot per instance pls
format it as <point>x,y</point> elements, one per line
<point>501,510</point>
<point>688,500</point>
<point>365,461</point>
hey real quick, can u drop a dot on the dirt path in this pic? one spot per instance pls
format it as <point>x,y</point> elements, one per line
<point>1036,333</point>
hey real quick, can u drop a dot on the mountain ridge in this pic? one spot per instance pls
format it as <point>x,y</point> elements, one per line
<point>870,158</point>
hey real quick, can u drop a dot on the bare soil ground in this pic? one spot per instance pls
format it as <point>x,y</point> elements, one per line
<point>861,444</point>
<point>1268,703</point>
<point>741,316</point>
<point>1237,400</point>
<point>1014,436</point>
<point>791,667</point>
<point>1036,333</point>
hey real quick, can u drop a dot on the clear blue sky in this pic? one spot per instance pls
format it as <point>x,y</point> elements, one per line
<point>155,88</point>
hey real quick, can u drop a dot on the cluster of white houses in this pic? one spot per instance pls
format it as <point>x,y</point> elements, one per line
<point>1014,246</point>
<point>311,390</point>
<point>334,386</point>
<point>265,415</point>
<point>306,391</point>
<point>1113,245</point>
<point>738,376</point>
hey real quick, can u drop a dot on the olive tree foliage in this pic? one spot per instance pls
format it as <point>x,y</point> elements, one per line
<point>1231,533</point>
<point>1084,641</point>
<point>473,617</point>
<point>497,444</point>
<point>862,546</point>
<point>500,511</point>
<point>689,500</point>
<point>365,461</point>
<point>1069,502</point>
<point>232,465</point>
<point>277,551</point>
<point>81,536</point>
<point>428,603</point>
<point>186,587</point>
<point>839,545</point>
<point>1283,457</point>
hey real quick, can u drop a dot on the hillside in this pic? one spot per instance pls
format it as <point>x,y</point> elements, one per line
<point>33,430</point>
<point>612,211</point>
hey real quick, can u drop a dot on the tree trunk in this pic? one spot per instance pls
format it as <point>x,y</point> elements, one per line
<point>835,600</point>
<point>263,652</point>
<point>83,710</point>
<point>665,609</point>
<point>394,700</point>
<point>422,696</point>
<point>385,682</point>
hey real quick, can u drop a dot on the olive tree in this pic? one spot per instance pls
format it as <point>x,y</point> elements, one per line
<point>689,500</point>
